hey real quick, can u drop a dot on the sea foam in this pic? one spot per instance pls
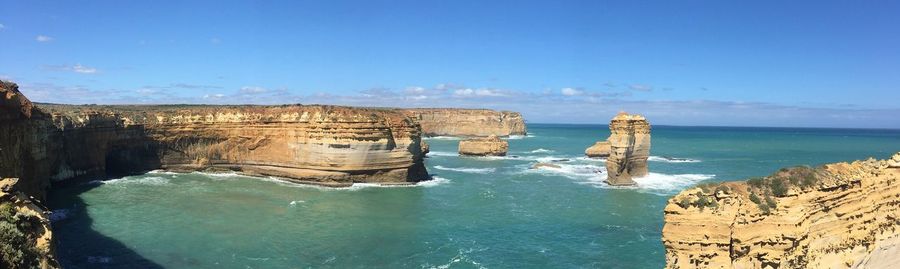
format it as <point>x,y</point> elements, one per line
<point>466,169</point>
<point>671,159</point>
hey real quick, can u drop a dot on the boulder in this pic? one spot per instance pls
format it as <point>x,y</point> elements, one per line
<point>548,165</point>
<point>894,162</point>
<point>629,149</point>
<point>490,146</point>
<point>598,150</point>
<point>425,147</point>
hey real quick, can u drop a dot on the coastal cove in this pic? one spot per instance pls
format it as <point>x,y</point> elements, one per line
<point>477,212</point>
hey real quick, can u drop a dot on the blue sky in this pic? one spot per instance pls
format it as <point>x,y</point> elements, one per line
<point>758,63</point>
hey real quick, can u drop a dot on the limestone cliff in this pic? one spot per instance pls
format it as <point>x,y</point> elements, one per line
<point>467,122</point>
<point>25,235</point>
<point>843,215</point>
<point>327,145</point>
<point>629,143</point>
<point>490,146</point>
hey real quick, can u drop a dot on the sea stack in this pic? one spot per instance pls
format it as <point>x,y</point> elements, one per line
<point>490,146</point>
<point>629,148</point>
<point>598,150</point>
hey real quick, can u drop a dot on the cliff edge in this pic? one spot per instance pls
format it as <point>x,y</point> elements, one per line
<point>842,215</point>
<point>467,122</point>
<point>325,145</point>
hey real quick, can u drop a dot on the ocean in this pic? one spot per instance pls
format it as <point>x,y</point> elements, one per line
<point>478,212</point>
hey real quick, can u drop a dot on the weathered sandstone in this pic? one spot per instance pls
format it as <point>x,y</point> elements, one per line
<point>467,122</point>
<point>842,215</point>
<point>490,146</point>
<point>895,161</point>
<point>425,147</point>
<point>629,143</point>
<point>600,149</point>
<point>327,145</point>
<point>25,232</point>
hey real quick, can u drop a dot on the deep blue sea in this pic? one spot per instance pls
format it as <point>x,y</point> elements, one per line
<point>476,213</point>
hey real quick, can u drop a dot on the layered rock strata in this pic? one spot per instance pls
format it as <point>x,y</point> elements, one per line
<point>25,232</point>
<point>490,146</point>
<point>467,122</point>
<point>600,149</point>
<point>327,145</point>
<point>629,143</point>
<point>843,215</point>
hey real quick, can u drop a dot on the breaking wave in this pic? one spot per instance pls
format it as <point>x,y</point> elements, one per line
<point>444,137</point>
<point>595,175</point>
<point>442,154</point>
<point>141,180</point>
<point>666,182</point>
<point>541,150</point>
<point>671,159</point>
<point>466,170</point>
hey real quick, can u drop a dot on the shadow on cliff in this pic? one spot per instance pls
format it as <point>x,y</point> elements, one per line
<point>78,245</point>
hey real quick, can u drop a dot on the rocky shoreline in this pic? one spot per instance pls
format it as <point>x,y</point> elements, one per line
<point>841,215</point>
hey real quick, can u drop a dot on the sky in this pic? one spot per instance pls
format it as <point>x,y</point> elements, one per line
<point>709,63</point>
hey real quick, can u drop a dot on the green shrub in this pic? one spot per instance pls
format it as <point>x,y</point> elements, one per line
<point>17,248</point>
<point>756,182</point>
<point>778,188</point>
<point>771,202</point>
<point>723,189</point>
<point>754,198</point>
<point>809,180</point>
<point>684,203</point>
<point>764,208</point>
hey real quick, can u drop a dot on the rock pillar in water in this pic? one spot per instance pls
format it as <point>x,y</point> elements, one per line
<point>629,148</point>
<point>491,146</point>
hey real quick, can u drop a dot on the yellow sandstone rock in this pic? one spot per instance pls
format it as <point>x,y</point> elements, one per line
<point>629,149</point>
<point>843,215</point>
<point>600,149</point>
<point>467,122</point>
<point>490,146</point>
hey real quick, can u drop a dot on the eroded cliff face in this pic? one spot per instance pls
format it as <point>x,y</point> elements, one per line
<point>467,122</point>
<point>843,215</point>
<point>326,145</point>
<point>629,143</point>
<point>25,232</point>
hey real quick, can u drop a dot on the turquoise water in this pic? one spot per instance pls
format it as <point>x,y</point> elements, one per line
<point>477,213</point>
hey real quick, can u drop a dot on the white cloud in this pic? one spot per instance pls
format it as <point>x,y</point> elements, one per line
<point>571,91</point>
<point>2,26</point>
<point>214,96</point>
<point>640,87</point>
<point>482,92</point>
<point>252,90</point>
<point>43,38</point>
<point>415,90</point>
<point>78,68</point>
<point>215,40</point>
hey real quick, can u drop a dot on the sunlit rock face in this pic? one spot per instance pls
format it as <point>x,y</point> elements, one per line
<point>467,122</point>
<point>326,145</point>
<point>490,146</point>
<point>600,149</point>
<point>629,143</point>
<point>25,222</point>
<point>842,215</point>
